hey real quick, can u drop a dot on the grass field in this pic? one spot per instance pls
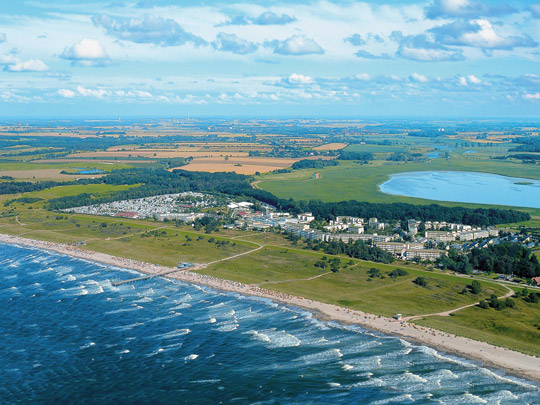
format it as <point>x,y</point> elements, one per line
<point>351,287</point>
<point>351,181</point>
<point>516,328</point>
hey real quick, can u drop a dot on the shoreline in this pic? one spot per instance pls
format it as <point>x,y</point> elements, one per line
<point>512,362</point>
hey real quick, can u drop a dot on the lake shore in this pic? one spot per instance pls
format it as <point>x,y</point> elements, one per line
<point>512,362</point>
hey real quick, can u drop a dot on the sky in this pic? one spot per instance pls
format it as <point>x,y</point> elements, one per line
<point>431,58</point>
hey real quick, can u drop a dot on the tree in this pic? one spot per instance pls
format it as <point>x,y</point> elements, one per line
<point>483,304</point>
<point>476,287</point>
<point>373,272</point>
<point>420,281</point>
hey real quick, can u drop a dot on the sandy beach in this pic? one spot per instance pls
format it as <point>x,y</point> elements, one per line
<point>512,362</point>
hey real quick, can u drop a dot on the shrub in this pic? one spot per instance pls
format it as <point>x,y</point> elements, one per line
<point>483,304</point>
<point>421,281</point>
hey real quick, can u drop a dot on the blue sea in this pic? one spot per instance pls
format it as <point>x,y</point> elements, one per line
<point>68,335</point>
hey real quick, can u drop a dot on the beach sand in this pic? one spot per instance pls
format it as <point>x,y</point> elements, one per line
<point>512,362</point>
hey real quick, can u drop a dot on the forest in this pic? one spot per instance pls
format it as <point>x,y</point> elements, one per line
<point>504,258</point>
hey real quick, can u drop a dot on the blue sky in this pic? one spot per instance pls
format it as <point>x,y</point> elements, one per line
<point>440,58</point>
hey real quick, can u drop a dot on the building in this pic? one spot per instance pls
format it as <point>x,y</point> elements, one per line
<point>424,254</point>
<point>306,217</point>
<point>440,236</point>
<point>493,231</point>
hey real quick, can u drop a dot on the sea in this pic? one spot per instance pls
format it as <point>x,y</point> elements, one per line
<point>68,335</point>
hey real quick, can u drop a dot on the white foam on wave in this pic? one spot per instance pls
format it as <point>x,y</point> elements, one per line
<point>121,310</point>
<point>126,351</point>
<point>164,317</point>
<point>174,333</point>
<point>144,300</point>
<point>395,400</point>
<point>212,320</point>
<point>11,277</point>
<point>126,327</point>
<point>228,327</point>
<point>347,367</point>
<point>506,379</point>
<point>334,384</point>
<point>326,356</point>
<point>86,346</point>
<point>215,381</point>
<point>191,357</point>
<point>183,305</point>
<point>94,287</point>
<point>275,338</point>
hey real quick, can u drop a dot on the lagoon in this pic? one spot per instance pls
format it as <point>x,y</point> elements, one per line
<point>467,187</point>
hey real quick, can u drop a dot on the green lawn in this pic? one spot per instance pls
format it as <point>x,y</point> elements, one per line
<point>518,328</point>
<point>351,287</point>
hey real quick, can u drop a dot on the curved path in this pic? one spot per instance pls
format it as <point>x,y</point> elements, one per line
<point>447,313</point>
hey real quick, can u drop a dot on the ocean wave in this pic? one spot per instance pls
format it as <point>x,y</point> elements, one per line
<point>121,310</point>
<point>275,338</point>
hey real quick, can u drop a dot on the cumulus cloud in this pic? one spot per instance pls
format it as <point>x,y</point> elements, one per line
<point>422,48</point>
<point>295,45</point>
<point>368,55</point>
<point>3,37</point>
<point>98,93</point>
<point>416,77</point>
<point>296,78</point>
<point>147,29</point>
<point>473,79</point>
<point>465,9</point>
<point>66,93</point>
<point>356,40</point>
<point>535,96</point>
<point>478,34</point>
<point>87,52</point>
<point>12,64</point>
<point>232,43</point>
<point>266,18</point>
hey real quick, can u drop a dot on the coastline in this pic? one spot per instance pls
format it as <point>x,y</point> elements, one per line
<point>512,362</point>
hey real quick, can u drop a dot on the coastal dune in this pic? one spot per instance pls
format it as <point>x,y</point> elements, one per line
<point>511,361</point>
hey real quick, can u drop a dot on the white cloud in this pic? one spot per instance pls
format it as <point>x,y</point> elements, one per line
<point>295,45</point>
<point>415,77</point>
<point>473,79</point>
<point>232,43</point>
<point>31,65</point>
<point>480,34</point>
<point>535,96</point>
<point>463,81</point>
<point>429,55</point>
<point>296,78</point>
<point>66,93</point>
<point>98,93</point>
<point>86,52</point>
